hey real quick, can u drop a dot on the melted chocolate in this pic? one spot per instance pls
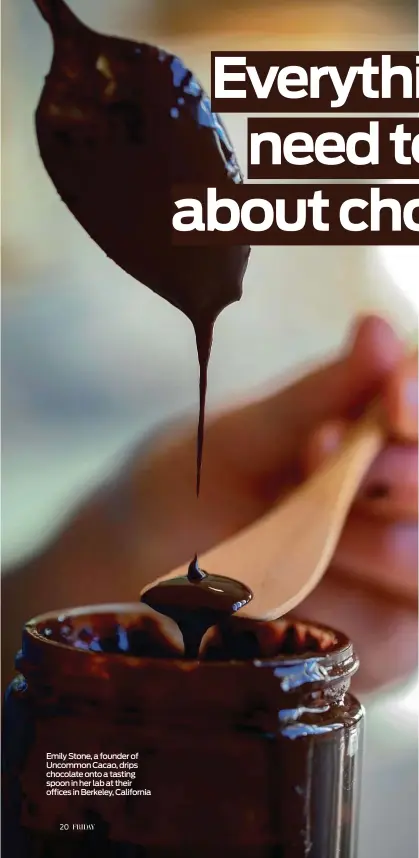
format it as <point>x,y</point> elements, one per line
<point>150,635</point>
<point>246,760</point>
<point>196,602</point>
<point>118,125</point>
<point>146,633</point>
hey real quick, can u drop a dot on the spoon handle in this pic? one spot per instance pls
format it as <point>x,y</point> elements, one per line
<point>302,532</point>
<point>55,12</point>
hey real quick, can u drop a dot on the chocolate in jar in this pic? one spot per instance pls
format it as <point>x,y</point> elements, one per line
<point>250,750</point>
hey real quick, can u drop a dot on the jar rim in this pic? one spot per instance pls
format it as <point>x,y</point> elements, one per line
<point>65,662</point>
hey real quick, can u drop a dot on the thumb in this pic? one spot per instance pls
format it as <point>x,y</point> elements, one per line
<point>267,435</point>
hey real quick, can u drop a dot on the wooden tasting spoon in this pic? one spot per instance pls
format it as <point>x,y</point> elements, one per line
<point>283,556</point>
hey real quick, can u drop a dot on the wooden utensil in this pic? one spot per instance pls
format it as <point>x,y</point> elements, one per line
<point>283,556</point>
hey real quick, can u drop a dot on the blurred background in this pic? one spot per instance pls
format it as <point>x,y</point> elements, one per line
<point>92,361</point>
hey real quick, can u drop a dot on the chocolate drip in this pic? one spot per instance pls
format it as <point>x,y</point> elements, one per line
<point>119,124</point>
<point>194,572</point>
<point>196,602</point>
<point>204,343</point>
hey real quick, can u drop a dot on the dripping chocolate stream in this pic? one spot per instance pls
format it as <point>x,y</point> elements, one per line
<point>204,336</point>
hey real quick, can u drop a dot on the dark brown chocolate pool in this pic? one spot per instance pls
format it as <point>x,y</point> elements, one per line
<point>196,602</point>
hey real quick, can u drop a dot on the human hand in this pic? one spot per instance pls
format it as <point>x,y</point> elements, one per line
<point>254,454</point>
<point>147,521</point>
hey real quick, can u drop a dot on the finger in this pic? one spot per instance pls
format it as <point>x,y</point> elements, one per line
<point>381,554</point>
<point>390,489</point>
<point>401,399</point>
<point>384,632</point>
<point>275,429</point>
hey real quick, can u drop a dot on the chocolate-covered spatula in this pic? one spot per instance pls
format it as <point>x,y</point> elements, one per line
<point>119,126</point>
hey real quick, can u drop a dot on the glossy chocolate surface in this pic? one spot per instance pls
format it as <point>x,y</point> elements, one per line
<point>119,125</point>
<point>251,758</point>
<point>196,602</point>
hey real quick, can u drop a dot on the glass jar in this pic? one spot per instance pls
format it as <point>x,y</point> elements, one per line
<point>254,757</point>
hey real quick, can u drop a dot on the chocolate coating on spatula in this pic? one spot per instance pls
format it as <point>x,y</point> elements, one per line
<point>119,124</point>
<point>196,602</point>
